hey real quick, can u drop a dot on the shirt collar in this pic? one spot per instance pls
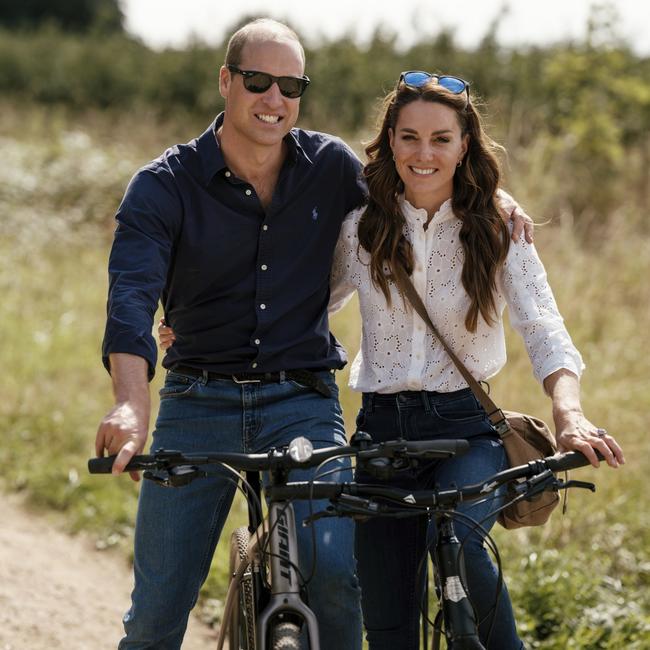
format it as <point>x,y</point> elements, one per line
<point>211,154</point>
<point>209,151</point>
<point>418,216</point>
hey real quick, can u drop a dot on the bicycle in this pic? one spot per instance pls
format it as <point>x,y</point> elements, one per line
<point>265,603</point>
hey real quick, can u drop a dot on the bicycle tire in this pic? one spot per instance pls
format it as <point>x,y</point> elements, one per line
<point>241,632</point>
<point>285,636</point>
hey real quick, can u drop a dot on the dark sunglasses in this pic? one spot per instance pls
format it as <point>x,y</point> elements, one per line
<point>417,79</point>
<point>260,82</point>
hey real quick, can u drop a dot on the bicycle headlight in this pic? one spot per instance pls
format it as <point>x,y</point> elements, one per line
<point>300,449</point>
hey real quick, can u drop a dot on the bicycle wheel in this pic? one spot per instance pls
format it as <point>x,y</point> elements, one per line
<point>285,636</point>
<point>241,634</point>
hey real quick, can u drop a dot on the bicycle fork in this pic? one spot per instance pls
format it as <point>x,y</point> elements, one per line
<point>285,584</point>
<point>460,620</point>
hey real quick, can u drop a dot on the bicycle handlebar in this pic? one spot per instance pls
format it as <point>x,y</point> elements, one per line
<point>533,474</point>
<point>280,458</point>
<point>542,469</point>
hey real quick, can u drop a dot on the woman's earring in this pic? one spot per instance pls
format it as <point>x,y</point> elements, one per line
<point>459,163</point>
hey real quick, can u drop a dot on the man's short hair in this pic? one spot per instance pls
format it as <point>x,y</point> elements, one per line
<point>261,29</point>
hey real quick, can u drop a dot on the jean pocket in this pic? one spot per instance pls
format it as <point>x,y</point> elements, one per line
<point>177,385</point>
<point>464,408</point>
<point>297,384</point>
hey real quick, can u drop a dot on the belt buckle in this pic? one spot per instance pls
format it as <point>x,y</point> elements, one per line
<point>245,381</point>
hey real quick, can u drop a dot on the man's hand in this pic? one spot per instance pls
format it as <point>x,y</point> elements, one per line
<point>124,429</point>
<point>510,210</point>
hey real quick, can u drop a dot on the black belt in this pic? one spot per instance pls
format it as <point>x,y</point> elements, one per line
<point>305,377</point>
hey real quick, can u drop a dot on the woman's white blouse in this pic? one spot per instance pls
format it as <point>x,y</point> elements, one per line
<point>398,352</point>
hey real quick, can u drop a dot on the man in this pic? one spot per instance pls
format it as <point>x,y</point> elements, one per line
<point>236,232</point>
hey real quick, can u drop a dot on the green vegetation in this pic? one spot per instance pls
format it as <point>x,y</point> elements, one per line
<point>78,117</point>
<point>97,16</point>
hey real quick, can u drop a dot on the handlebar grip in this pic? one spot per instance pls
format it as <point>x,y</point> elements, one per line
<point>569,460</point>
<point>455,447</point>
<point>105,465</point>
<point>101,465</point>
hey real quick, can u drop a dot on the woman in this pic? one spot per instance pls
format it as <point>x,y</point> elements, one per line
<point>432,180</point>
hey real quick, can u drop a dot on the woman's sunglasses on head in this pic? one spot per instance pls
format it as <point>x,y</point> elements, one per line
<point>260,82</point>
<point>418,78</point>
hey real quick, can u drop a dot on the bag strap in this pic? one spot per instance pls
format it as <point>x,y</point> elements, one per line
<point>495,414</point>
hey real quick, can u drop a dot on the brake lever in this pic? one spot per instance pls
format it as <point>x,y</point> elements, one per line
<point>563,485</point>
<point>174,476</point>
<point>347,505</point>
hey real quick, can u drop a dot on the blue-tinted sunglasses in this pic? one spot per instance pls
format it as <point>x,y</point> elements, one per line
<point>417,79</point>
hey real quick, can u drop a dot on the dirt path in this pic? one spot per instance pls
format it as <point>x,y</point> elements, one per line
<point>52,585</point>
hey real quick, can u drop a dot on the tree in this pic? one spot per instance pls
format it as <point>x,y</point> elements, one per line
<point>69,15</point>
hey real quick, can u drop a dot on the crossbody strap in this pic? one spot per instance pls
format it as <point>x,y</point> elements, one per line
<point>495,414</point>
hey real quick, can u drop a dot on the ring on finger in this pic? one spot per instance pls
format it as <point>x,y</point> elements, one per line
<point>601,432</point>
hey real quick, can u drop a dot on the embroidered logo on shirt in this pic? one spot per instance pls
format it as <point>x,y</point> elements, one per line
<point>314,214</point>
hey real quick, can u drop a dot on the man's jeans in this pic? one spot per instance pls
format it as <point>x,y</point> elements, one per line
<point>177,529</point>
<point>390,551</point>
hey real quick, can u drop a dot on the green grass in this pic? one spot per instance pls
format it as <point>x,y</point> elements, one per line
<point>582,581</point>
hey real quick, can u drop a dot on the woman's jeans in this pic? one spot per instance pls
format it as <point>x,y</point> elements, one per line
<point>177,529</point>
<point>390,552</point>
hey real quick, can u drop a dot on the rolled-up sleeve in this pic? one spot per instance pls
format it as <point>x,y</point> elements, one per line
<point>535,315</point>
<point>148,222</point>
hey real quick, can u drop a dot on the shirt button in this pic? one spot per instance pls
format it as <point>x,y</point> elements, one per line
<point>264,267</point>
<point>254,365</point>
<point>227,174</point>
<point>257,341</point>
<point>249,192</point>
<point>262,306</point>
<point>265,227</point>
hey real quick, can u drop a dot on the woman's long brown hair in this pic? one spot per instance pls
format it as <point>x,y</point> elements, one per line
<point>483,234</point>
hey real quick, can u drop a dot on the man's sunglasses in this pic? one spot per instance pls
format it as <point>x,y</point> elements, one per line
<point>417,79</point>
<point>260,82</point>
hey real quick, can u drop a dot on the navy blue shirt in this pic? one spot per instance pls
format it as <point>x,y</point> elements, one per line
<point>245,290</point>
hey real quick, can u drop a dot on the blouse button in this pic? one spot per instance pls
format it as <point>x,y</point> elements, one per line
<point>227,174</point>
<point>248,192</point>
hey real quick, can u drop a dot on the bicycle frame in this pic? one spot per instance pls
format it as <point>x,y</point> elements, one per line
<point>278,530</point>
<point>461,629</point>
<point>285,587</point>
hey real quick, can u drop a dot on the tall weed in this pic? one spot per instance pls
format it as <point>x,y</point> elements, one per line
<point>580,582</point>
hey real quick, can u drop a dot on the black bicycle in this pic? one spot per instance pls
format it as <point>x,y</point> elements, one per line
<point>265,604</point>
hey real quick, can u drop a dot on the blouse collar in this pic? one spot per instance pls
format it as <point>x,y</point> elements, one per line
<point>418,216</point>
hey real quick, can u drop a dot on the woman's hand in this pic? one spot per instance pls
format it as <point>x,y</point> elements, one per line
<point>166,336</point>
<point>573,431</point>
